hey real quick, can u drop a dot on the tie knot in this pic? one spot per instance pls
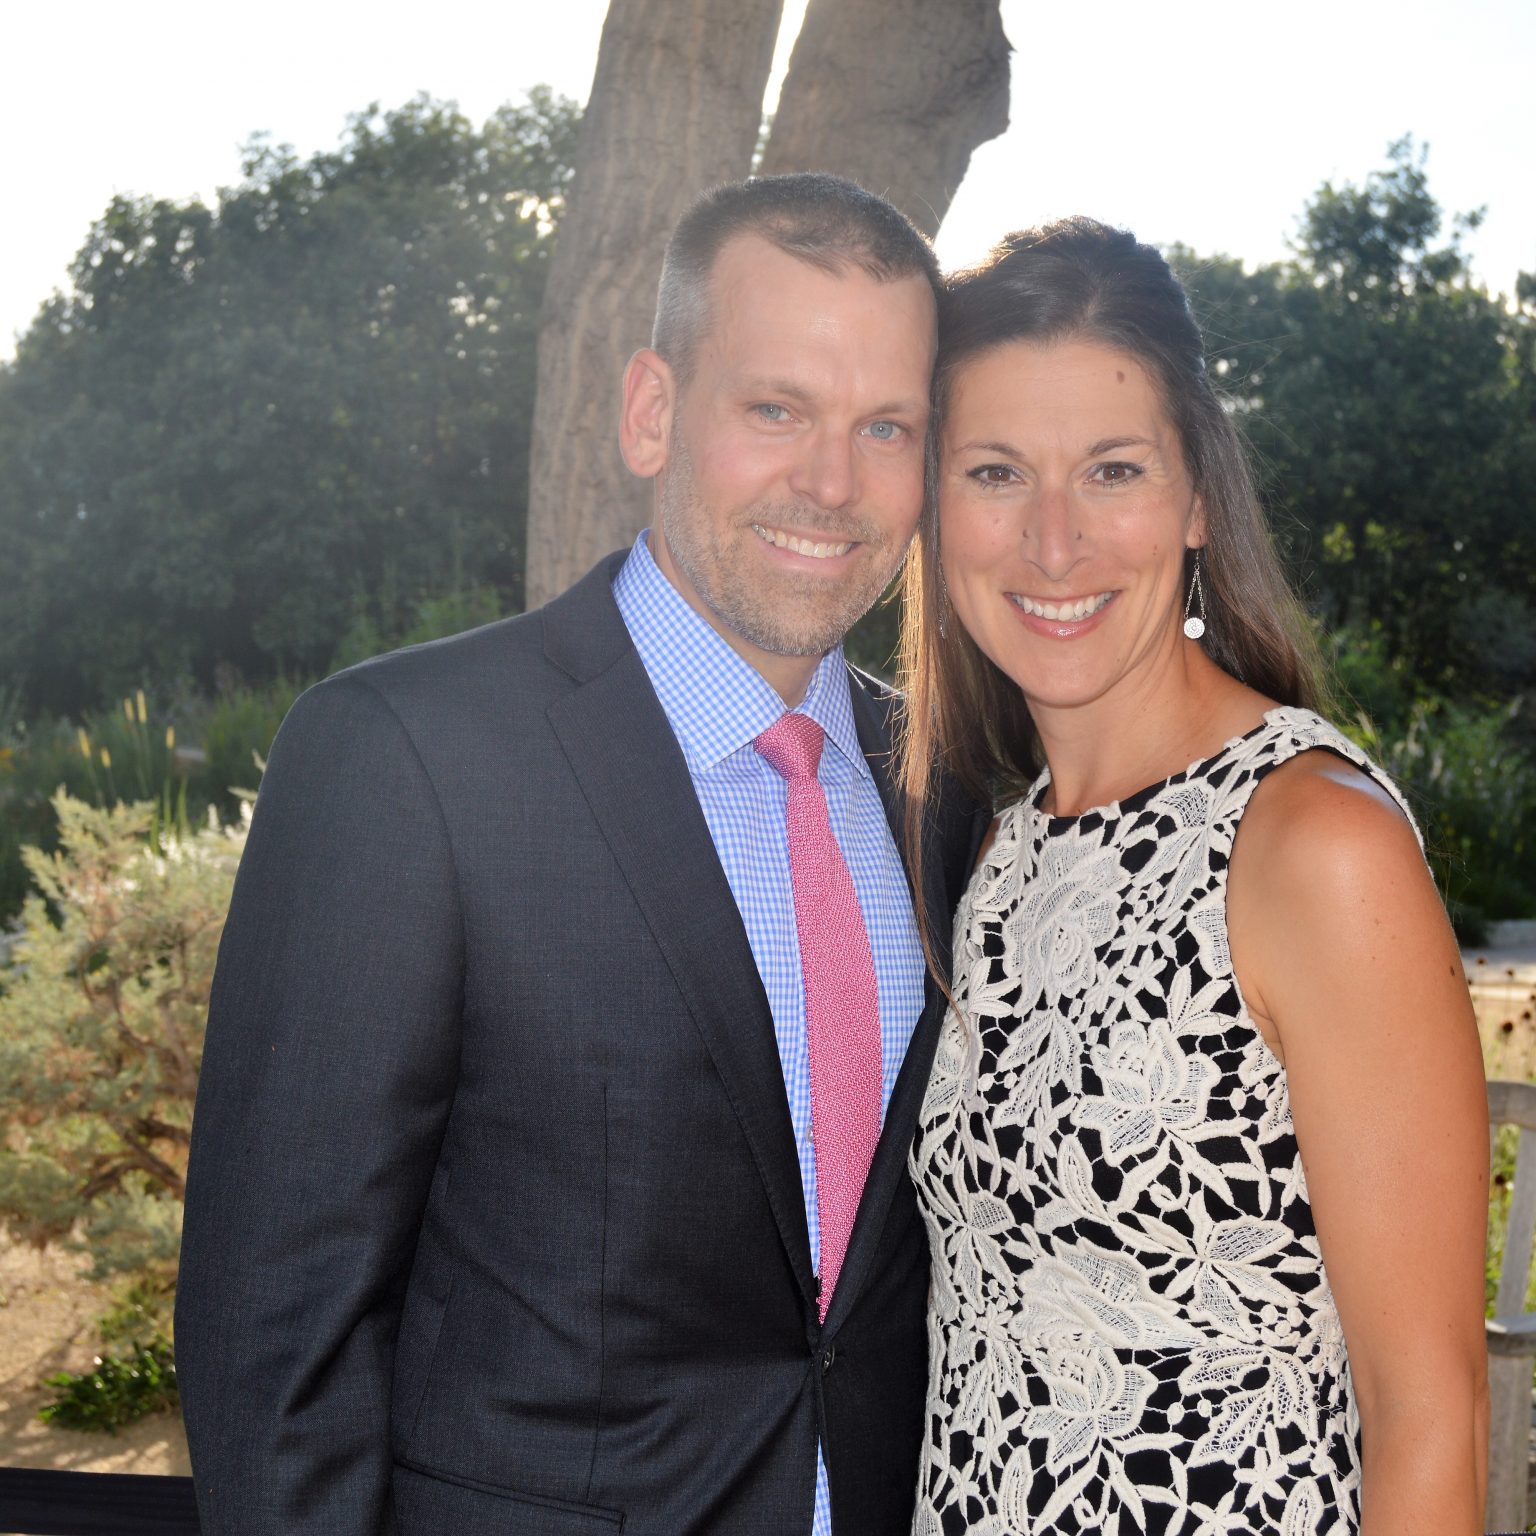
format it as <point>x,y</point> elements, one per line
<point>792,746</point>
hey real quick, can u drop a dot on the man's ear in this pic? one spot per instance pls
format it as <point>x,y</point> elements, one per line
<point>645,419</point>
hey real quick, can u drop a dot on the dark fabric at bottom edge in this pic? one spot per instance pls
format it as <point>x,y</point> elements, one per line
<point>34,1502</point>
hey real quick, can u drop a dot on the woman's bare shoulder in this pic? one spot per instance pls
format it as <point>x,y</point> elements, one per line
<point>1318,820</point>
<point>1328,888</point>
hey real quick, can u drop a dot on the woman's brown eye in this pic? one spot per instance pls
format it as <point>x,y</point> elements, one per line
<point>1117,474</point>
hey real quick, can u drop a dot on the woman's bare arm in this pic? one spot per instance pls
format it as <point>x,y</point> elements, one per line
<point>1345,957</point>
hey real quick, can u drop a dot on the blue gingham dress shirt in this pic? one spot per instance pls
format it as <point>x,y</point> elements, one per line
<point>716,704</point>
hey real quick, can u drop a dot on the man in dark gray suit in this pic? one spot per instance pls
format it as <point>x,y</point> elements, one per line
<point>548,1173</point>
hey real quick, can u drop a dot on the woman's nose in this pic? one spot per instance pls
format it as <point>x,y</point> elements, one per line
<point>1052,538</point>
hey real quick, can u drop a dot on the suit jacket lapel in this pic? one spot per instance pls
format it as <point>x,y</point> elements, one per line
<point>636,781</point>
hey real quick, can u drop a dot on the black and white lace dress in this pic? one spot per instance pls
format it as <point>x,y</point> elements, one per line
<point>1130,1326</point>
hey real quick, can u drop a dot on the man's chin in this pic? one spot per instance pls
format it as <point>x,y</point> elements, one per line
<point>792,618</point>
<point>812,638</point>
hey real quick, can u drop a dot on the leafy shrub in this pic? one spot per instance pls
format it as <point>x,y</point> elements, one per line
<point>236,734</point>
<point>1473,787</point>
<point>1506,1145</point>
<point>101,1027</point>
<point>119,1390</point>
<point>1368,678</point>
<point>114,755</point>
<point>382,625</point>
<point>139,1314</point>
<point>188,756</point>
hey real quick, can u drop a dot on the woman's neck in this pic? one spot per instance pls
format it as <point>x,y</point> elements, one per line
<point>1145,729</point>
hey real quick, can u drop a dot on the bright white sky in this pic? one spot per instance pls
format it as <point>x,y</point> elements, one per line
<point>1205,121</point>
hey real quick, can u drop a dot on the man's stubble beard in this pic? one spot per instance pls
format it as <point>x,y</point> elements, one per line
<point>794,615</point>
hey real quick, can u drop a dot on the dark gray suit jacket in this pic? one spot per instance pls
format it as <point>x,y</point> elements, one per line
<point>494,1219</point>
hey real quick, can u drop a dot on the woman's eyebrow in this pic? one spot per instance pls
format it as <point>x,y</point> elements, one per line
<point>1011,451</point>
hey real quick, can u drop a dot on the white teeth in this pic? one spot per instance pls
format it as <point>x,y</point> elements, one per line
<point>781,540</point>
<point>1082,608</point>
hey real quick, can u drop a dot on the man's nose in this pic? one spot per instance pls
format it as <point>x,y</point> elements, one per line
<point>826,473</point>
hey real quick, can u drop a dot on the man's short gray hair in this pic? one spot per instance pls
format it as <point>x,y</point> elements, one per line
<point>826,221</point>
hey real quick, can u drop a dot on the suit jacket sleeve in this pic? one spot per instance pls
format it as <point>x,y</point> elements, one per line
<point>327,1078</point>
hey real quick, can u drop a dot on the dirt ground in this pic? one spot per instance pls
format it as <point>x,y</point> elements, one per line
<point>48,1314</point>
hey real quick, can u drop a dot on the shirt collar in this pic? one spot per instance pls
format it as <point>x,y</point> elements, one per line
<point>715,701</point>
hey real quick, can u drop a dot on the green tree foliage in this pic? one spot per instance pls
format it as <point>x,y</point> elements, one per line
<point>1392,405</point>
<point>101,1031</point>
<point>246,429</point>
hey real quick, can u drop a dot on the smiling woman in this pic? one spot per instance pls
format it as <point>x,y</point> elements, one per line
<point>1044,291</point>
<point>1051,536</point>
<point>1207,1004</point>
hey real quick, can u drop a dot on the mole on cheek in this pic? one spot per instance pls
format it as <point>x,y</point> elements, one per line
<point>1119,377</point>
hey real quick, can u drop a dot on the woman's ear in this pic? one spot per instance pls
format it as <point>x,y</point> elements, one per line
<point>1196,536</point>
<point>645,417</point>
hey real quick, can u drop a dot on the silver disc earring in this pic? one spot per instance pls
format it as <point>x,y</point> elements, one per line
<point>1194,623</point>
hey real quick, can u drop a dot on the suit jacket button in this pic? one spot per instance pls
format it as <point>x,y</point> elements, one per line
<point>828,1355</point>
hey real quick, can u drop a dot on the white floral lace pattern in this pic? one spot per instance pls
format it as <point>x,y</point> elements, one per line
<point>1130,1326</point>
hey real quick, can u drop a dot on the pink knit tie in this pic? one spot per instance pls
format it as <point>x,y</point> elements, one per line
<point>842,1003</point>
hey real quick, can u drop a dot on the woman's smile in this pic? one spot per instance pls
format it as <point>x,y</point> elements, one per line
<point>1062,617</point>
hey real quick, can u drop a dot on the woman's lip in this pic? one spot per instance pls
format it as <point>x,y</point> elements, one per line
<point>1060,629</point>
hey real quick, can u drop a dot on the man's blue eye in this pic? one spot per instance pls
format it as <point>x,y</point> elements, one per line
<point>884,430</point>
<point>772,412</point>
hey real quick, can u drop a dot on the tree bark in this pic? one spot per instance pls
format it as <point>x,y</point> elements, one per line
<point>894,94</point>
<point>676,106</point>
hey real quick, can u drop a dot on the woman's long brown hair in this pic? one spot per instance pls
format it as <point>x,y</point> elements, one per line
<point>1077,279</point>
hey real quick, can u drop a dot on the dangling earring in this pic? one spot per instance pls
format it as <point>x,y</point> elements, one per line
<point>1194,623</point>
<point>943,606</point>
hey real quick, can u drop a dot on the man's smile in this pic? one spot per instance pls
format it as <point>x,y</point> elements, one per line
<point>799,546</point>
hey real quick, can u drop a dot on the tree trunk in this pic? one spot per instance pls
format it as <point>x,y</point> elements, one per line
<point>894,94</point>
<point>676,106</point>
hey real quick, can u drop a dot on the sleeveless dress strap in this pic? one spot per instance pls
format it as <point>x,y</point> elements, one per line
<point>1295,731</point>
